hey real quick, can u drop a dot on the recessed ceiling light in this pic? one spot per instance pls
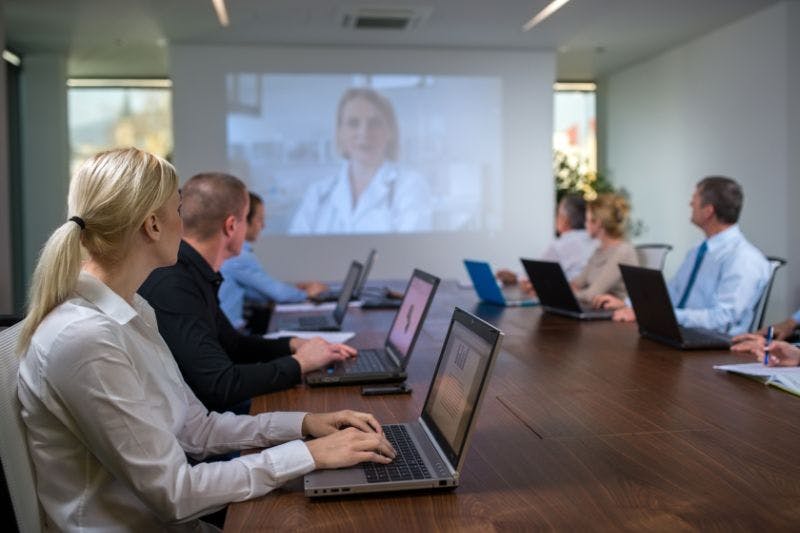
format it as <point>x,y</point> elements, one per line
<point>548,10</point>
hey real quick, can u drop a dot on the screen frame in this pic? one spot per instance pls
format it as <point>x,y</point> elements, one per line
<point>494,337</point>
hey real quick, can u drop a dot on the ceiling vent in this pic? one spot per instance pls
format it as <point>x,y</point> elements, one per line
<point>383,17</point>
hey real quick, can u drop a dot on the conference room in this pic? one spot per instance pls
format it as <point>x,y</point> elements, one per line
<point>485,115</point>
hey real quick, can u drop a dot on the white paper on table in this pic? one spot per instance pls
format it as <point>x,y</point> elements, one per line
<point>330,336</point>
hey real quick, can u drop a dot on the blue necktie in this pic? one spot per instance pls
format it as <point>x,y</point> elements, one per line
<point>701,252</point>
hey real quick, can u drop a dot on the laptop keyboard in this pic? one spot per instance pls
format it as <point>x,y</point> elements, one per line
<point>407,465</point>
<point>367,361</point>
<point>312,321</point>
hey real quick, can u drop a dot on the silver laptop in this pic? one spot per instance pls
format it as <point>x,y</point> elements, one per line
<point>430,450</point>
<point>328,322</point>
<point>389,362</point>
<point>555,294</point>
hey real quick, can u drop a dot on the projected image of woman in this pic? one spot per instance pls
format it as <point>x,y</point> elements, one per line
<point>370,193</point>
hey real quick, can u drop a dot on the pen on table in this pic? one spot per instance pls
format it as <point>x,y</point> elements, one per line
<point>769,341</point>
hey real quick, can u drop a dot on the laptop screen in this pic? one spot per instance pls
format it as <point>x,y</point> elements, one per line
<point>362,281</point>
<point>409,318</point>
<point>347,291</point>
<point>458,383</point>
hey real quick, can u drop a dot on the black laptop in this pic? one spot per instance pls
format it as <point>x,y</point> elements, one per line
<point>387,363</point>
<point>656,317</point>
<point>328,322</point>
<point>554,293</point>
<point>332,295</point>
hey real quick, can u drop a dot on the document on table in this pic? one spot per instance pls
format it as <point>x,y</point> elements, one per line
<point>311,306</point>
<point>330,336</point>
<point>786,378</point>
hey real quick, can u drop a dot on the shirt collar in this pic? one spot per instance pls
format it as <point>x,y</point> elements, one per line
<point>247,247</point>
<point>724,237</point>
<point>106,300</point>
<point>189,255</point>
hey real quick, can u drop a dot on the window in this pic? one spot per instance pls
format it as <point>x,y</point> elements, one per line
<point>105,114</point>
<point>575,139</point>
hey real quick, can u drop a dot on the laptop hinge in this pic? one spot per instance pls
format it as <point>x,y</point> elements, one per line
<point>439,450</point>
<point>395,359</point>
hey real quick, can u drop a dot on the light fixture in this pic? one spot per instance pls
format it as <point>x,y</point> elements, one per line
<point>548,10</point>
<point>120,82</point>
<point>12,58</point>
<point>222,12</point>
<point>577,86</point>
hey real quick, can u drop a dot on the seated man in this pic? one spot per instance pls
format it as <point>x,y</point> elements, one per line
<point>721,279</point>
<point>572,248</point>
<point>246,279</point>
<point>223,367</point>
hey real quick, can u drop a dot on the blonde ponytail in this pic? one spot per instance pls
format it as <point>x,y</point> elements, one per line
<point>110,196</point>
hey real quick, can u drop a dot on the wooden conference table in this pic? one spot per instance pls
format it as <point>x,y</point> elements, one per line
<point>584,426</point>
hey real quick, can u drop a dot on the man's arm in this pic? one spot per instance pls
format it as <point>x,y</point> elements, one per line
<point>218,379</point>
<point>258,284</point>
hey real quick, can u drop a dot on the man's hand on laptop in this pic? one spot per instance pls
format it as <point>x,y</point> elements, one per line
<point>506,277</point>
<point>321,424</point>
<point>316,353</point>
<point>607,301</point>
<point>624,314</point>
<point>348,447</point>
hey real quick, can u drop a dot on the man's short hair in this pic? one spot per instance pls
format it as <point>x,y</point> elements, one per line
<point>209,198</point>
<point>575,208</point>
<point>255,201</point>
<point>724,194</point>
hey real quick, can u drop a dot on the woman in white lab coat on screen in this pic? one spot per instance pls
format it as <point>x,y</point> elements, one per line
<point>369,194</point>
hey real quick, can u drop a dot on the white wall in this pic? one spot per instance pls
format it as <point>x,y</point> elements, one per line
<point>716,105</point>
<point>45,151</point>
<point>6,283</point>
<point>792,198</point>
<point>199,126</point>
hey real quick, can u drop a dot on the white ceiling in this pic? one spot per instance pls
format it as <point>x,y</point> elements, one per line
<point>130,37</point>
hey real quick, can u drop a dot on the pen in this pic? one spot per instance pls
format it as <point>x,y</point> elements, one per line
<point>769,341</point>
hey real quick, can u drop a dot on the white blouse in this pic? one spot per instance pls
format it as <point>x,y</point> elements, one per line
<point>110,422</point>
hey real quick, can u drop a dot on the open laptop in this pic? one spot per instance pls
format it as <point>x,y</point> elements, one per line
<point>333,295</point>
<point>656,317</point>
<point>328,322</point>
<point>489,291</point>
<point>430,450</point>
<point>555,294</point>
<point>389,362</point>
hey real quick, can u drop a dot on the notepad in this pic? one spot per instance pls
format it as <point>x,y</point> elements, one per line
<point>786,378</point>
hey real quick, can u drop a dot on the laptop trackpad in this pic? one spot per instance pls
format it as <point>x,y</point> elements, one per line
<point>345,477</point>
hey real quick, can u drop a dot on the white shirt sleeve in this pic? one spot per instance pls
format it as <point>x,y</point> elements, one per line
<point>137,438</point>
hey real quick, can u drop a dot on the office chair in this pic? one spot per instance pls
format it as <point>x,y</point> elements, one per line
<point>652,255</point>
<point>760,310</point>
<point>17,465</point>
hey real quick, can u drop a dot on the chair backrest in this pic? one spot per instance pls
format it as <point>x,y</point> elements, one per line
<point>652,255</point>
<point>760,310</point>
<point>17,465</point>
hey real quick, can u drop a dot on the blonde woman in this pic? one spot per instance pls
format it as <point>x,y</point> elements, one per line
<point>606,221</point>
<point>110,420</point>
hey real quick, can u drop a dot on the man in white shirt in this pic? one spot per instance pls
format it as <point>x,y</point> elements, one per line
<point>721,279</point>
<point>573,247</point>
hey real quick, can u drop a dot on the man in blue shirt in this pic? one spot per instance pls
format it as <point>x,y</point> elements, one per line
<point>721,279</point>
<point>245,278</point>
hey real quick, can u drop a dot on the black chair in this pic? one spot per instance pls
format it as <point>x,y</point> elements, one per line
<point>760,310</point>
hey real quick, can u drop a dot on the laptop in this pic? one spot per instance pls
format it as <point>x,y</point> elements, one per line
<point>328,322</point>
<point>389,362</point>
<point>555,294</point>
<point>430,450</point>
<point>489,291</point>
<point>656,317</point>
<point>333,295</point>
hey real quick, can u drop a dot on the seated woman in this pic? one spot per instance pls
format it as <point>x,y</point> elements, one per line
<point>109,419</point>
<point>606,221</point>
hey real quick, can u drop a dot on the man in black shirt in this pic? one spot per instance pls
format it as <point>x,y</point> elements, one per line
<point>222,366</point>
